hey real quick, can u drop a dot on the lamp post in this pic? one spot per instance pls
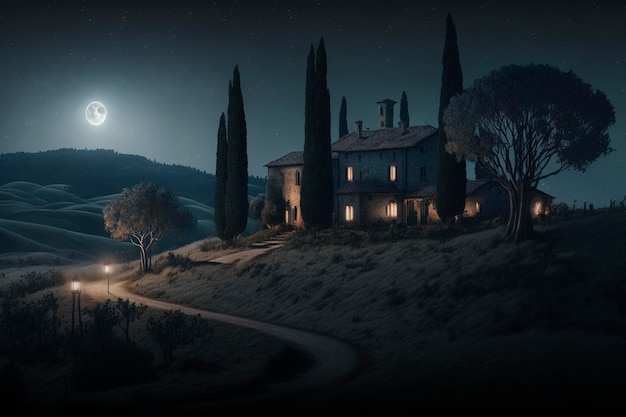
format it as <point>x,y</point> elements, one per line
<point>107,271</point>
<point>75,302</point>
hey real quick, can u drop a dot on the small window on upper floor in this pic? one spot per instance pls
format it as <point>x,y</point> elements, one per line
<point>349,173</point>
<point>393,173</point>
<point>297,177</point>
<point>423,173</point>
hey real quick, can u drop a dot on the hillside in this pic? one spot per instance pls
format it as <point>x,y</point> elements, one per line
<point>443,320</point>
<point>92,173</point>
<point>51,202</point>
<point>48,224</point>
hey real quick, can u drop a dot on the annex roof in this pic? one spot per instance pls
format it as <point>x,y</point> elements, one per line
<point>290,159</point>
<point>430,190</point>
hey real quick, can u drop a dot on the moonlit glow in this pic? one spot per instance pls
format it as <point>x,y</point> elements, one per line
<point>95,113</point>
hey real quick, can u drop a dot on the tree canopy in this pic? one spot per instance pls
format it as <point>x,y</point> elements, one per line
<point>522,124</point>
<point>145,214</point>
<point>451,176</point>
<point>343,118</point>
<point>221,173</point>
<point>236,200</point>
<point>274,204</point>
<point>317,177</point>
<point>404,109</point>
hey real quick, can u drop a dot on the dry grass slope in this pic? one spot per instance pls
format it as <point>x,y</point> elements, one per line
<point>442,319</point>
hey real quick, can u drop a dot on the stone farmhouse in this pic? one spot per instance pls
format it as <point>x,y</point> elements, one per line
<point>388,175</point>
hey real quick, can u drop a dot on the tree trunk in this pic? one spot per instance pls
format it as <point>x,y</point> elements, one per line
<point>520,226</point>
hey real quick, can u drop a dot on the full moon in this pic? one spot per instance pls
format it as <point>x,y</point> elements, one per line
<point>96,113</point>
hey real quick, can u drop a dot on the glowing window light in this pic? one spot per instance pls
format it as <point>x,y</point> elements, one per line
<point>349,213</point>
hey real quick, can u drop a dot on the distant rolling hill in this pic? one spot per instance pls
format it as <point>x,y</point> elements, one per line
<point>51,203</point>
<point>100,172</point>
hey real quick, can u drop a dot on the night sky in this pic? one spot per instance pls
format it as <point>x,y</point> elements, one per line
<point>163,71</point>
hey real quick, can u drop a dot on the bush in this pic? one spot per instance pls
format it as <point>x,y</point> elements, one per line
<point>173,330</point>
<point>31,282</point>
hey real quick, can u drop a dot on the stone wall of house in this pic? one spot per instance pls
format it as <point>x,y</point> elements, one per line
<point>375,209</point>
<point>423,163</point>
<point>353,200</point>
<point>288,177</point>
<point>372,165</point>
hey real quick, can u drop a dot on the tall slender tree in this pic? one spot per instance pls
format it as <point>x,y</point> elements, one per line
<point>221,173</point>
<point>343,118</point>
<point>404,109</point>
<point>451,178</point>
<point>236,201</point>
<point>316,194</point>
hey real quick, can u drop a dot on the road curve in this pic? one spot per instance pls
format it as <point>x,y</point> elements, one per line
<point>334,361</point>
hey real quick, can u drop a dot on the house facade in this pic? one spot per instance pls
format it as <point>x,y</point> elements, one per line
<point>388,175</point>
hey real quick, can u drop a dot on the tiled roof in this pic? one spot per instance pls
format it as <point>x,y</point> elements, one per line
<point>430,190</point>
<point>471,186</point>
<point>368,186</point>
<point>424,191</point>
<point>292,158</point>
<point>384,138</point>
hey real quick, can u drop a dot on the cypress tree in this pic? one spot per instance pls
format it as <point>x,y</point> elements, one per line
<point>343,118</point>
<point>307,198</point>
<point>316,193</point>
<point>221,172</point>
<point>404,109</point>
<point>237,160</point>
<point>451,178</point>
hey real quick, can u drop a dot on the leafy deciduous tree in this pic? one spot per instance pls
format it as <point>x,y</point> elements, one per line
<point>174,329</point>
<point>145,214</point>
<point>256,210</point>
<point>128,313</point>
<point>274,205</point>
<point>522,124</point>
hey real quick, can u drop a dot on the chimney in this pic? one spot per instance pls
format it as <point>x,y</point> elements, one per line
<point>403,127</point>
<point>385,112</point>
<point>359,128</point>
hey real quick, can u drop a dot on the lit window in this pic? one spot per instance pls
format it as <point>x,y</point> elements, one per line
<point>349,173</point>
<point>477,207</point>
<point>392,209</point>
<point>297,177</point>
<point>349,213</point>
<point>286,216</point>
<point>393,173</point>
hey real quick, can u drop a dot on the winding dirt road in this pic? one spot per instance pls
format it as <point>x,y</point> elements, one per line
<point>334,361</point>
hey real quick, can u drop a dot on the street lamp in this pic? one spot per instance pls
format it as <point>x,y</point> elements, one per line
<point>107,271</point>
<point>76,301</point>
